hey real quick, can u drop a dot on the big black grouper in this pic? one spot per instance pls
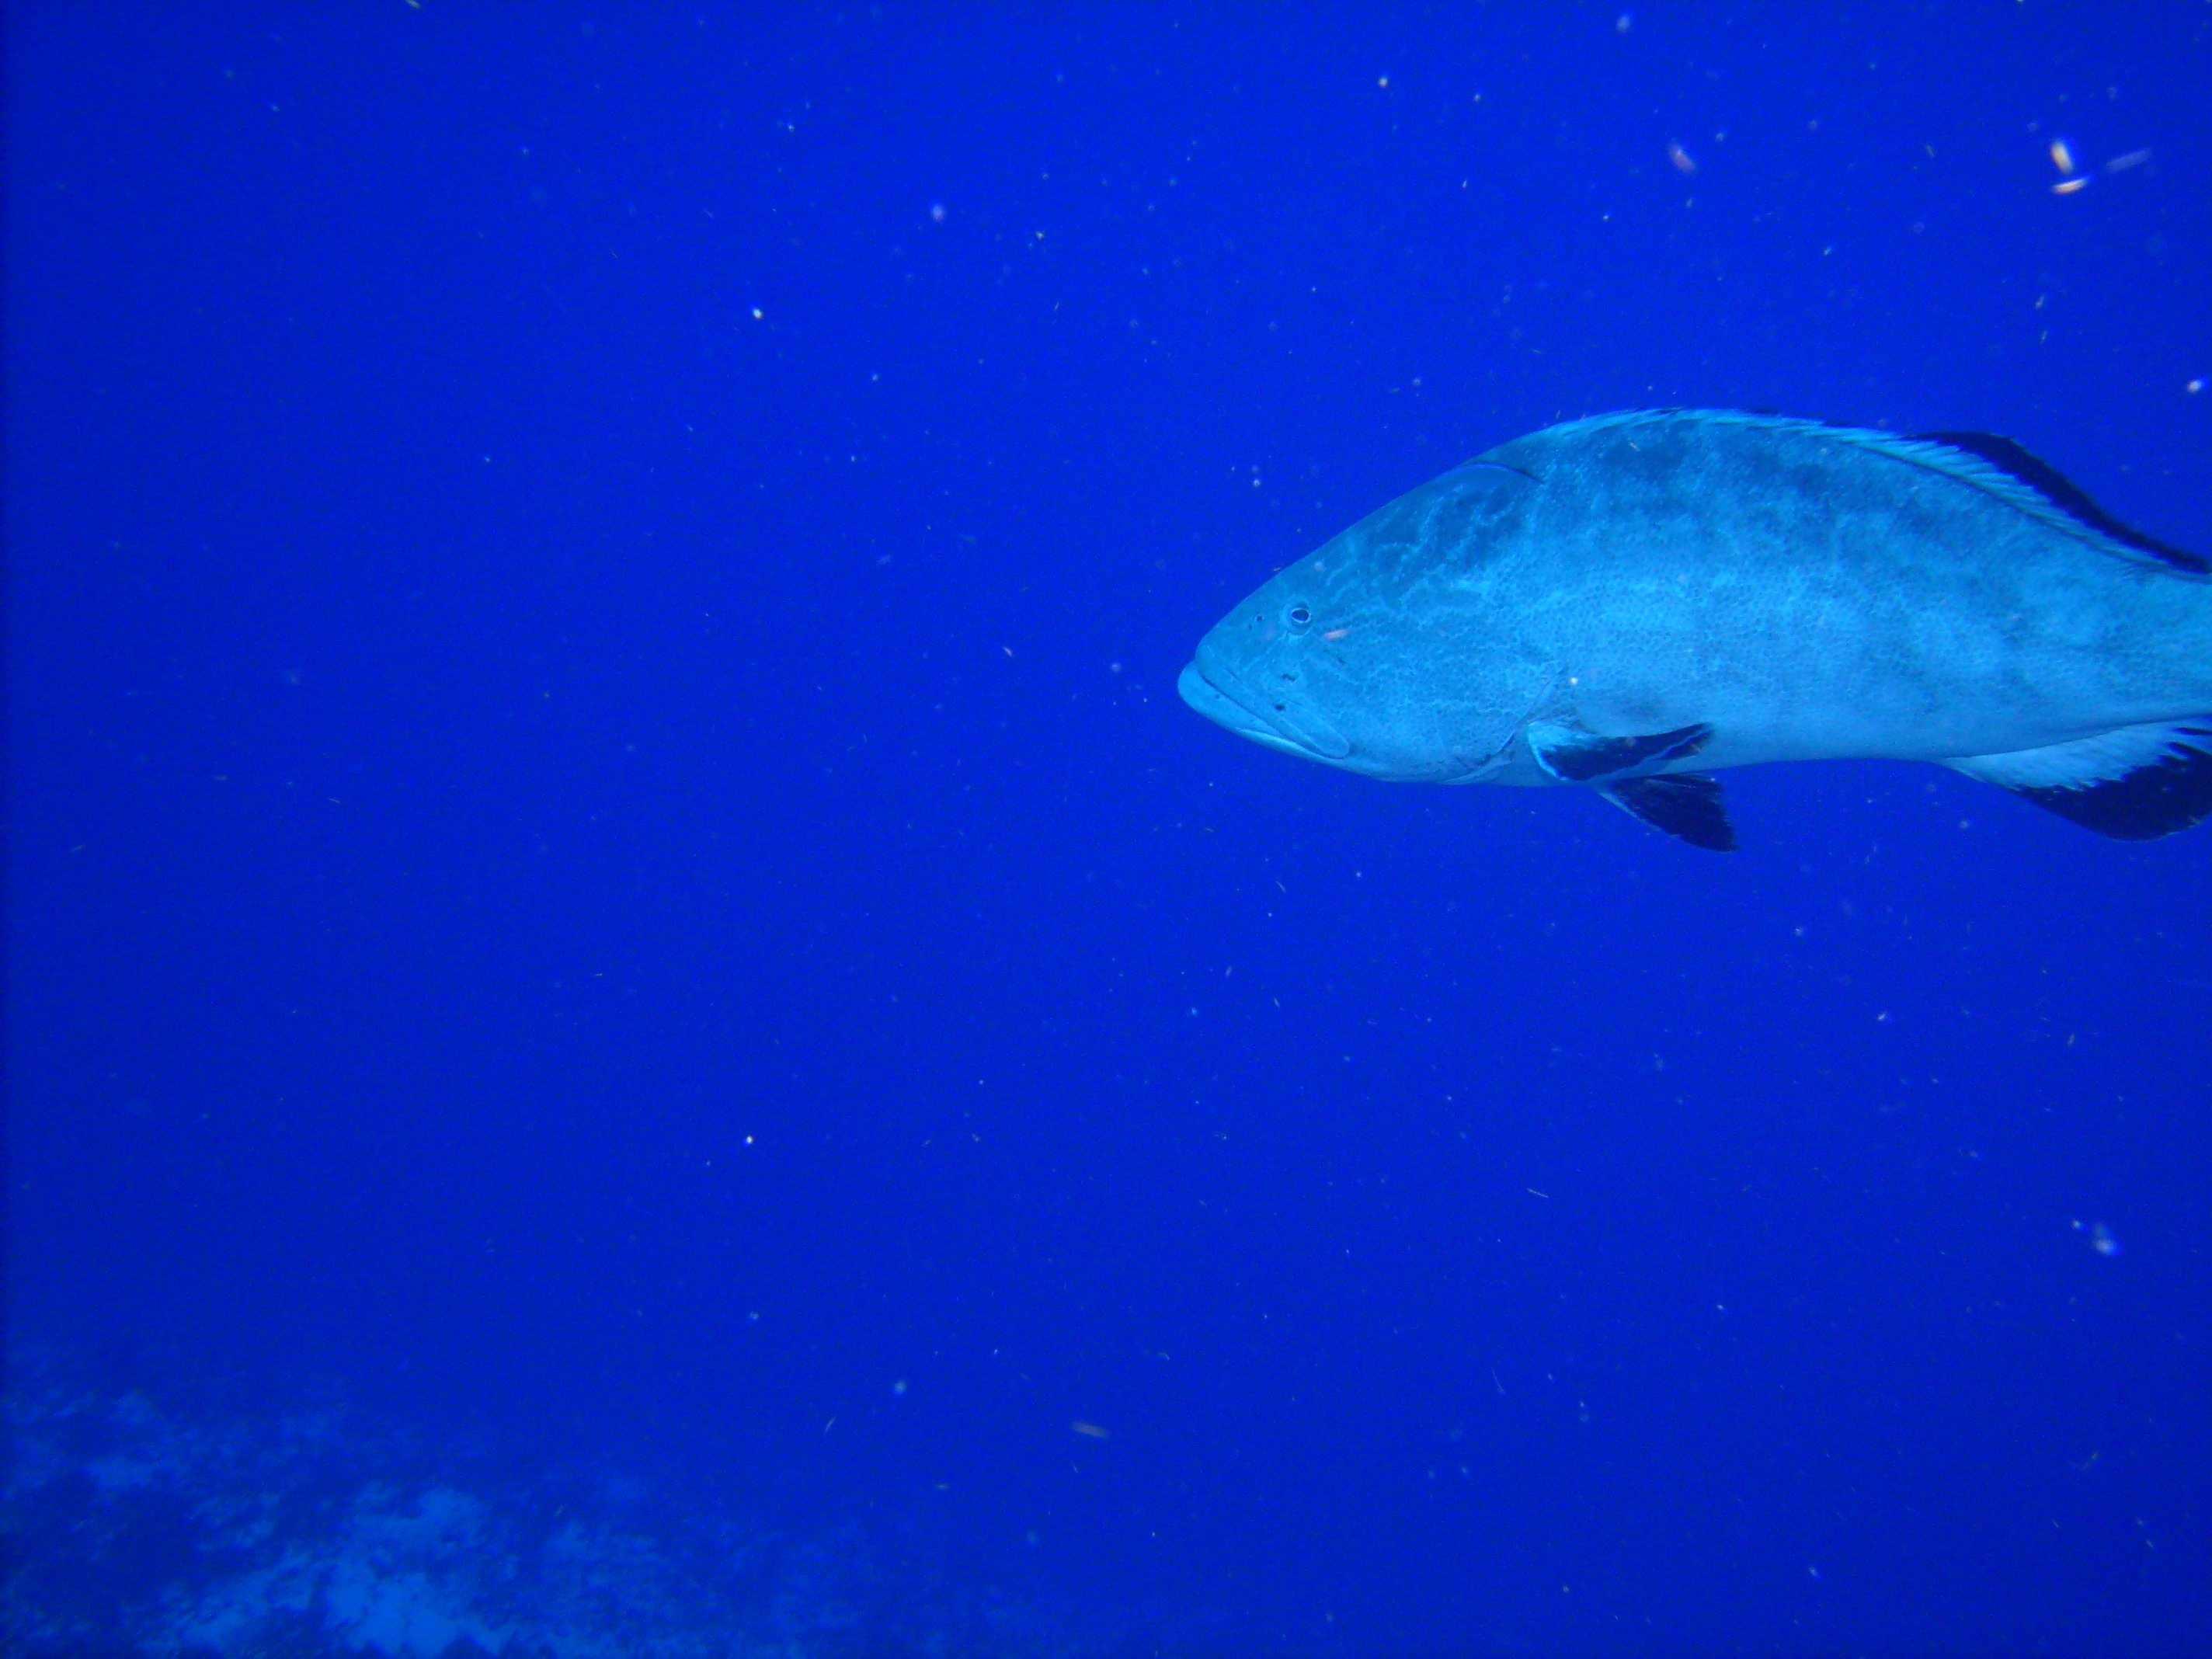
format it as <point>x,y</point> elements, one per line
<point>1632,601</point>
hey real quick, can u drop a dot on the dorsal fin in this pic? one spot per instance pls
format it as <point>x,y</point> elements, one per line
<point>2054,487</point>
<point>1981,459</point>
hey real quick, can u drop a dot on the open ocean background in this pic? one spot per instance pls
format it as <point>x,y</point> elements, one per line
<point>637,1024</point>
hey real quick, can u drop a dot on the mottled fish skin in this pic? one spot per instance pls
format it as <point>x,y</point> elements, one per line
<point>1672,592</point>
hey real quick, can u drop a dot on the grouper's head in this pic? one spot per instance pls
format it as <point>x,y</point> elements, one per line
<point>1373,652</point>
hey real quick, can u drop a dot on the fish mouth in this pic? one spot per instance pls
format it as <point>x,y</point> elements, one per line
<point>1301,733</point>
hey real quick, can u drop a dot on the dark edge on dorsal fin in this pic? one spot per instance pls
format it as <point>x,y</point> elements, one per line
<point>2054,487</point>
<point>1687,805</point>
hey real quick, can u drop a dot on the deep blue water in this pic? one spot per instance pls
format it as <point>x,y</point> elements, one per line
<point>602,854</point>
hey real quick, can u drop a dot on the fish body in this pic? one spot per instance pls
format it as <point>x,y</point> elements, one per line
<point>1632,601</point>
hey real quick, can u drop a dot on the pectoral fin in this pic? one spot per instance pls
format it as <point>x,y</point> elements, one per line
<point>2136,784</point>
<point>1577,756</point>
<point>1687,805</point>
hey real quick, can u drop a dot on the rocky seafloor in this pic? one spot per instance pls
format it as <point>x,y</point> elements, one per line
<point>179,1518</point>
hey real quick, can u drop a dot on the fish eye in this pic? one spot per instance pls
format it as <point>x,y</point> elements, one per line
<point>1298,617</point>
